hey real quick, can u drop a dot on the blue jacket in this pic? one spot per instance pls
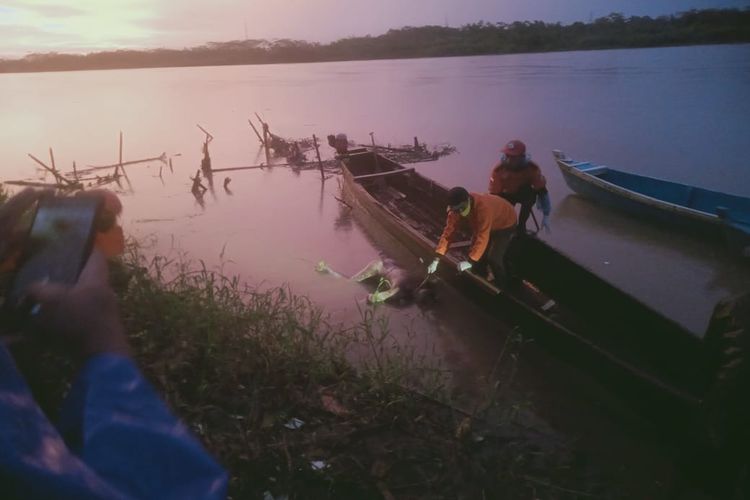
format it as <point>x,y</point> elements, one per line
<point>116,440</point>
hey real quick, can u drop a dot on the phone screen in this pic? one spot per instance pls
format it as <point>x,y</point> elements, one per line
<point>58,244</point>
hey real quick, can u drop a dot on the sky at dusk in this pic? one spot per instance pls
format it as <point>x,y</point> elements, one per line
<point>77,26</point>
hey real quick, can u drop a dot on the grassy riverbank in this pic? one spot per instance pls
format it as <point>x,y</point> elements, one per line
<point>268,385</point>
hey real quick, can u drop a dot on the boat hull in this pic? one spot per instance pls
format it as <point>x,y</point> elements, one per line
<point>701,212</point>
<point>594,324</point>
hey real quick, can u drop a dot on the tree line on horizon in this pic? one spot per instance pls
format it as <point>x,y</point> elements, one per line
<point>695,27</point>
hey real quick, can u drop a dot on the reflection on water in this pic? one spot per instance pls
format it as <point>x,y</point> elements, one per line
<point>680,275</point>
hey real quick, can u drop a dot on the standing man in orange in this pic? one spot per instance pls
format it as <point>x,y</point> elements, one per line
<point>519,180</point>
<point>492,221</point>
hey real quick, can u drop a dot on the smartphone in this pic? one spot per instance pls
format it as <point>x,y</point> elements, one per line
<point>58,244</point>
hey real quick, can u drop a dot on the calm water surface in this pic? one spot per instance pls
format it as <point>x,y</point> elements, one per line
<point>676,113</point>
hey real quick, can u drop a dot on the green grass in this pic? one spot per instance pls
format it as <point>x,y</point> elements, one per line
<point>237,363</point>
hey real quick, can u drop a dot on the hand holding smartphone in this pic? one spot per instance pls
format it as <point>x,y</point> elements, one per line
<point>58,244</point>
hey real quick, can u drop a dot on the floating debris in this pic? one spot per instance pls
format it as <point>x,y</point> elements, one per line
<point>318,465</point>
<point>294,424</point>
<point>410,153</point>
<point>414,154</point>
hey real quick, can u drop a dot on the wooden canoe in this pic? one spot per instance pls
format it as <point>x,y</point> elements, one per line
<point>709,213</point>
<point>593,323</point>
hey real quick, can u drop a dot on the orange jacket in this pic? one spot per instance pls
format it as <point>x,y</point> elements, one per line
<point>509,181</point>
<point>488,213</point>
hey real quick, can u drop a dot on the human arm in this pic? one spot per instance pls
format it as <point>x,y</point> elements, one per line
<point>11,218</point>
<point>35,462</point>
<point>115,421</point>
<point>450,227</point>
<point>539,185</point>
<point>494,185</point>
<point>536,179</point>
<point>543,203</point>
<point>481,236</point>
<point>112,419</point>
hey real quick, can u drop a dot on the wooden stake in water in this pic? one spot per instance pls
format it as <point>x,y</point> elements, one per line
<point>256,132</point>
<point>58,178</point>
<point>209,137</point>
<point>54,168</point>
<point>320,163</point>
<point>119,163</point>
<point>265,139</point>
<point>52,161</point>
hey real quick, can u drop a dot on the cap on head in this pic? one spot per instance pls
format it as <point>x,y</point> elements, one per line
<point>515,148</point>
<point>457,197</point>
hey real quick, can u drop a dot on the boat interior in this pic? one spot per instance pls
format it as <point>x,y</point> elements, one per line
<point>611,318</point>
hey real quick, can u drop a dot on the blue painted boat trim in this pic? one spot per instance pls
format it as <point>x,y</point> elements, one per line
<point>711,213</point>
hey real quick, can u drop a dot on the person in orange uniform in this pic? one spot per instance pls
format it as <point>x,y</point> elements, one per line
<point>519,180</point>
<point>492,221</point>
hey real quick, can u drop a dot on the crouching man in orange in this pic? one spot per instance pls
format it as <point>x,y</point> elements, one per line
<point>492,221</point>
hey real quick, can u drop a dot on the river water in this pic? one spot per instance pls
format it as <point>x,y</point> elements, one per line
<point>676,113</point>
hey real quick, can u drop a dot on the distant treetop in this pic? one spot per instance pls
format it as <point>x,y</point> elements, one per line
<point>695,27</point>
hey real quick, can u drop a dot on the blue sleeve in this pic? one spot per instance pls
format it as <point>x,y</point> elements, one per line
<point>543,202</point>
<point>114,420</point>
<point>34,461</point>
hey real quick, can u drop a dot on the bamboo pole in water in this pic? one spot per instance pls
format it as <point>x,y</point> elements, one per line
<point>34,184</point>
<point>386,148</point>
<point>260,119</point>
<point>52,162</point>
<point>265,138</point>
<point>120,166</point>
<point>256,132</point>
<point>320,163</point>
<point>162,157</point>
<point>209,137</point>
<point>119,163</point>
<point>59,178</point>
<point>253,167</point>
<point>249,167</point>
<point>266,134</point>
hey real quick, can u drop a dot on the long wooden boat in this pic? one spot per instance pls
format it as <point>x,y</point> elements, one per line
<point>709,213</point>
<point>592,323</point>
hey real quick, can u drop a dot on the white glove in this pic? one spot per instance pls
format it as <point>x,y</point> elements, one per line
<point>545,223</point>
<point>432,267</point>
<point>464,265</point>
